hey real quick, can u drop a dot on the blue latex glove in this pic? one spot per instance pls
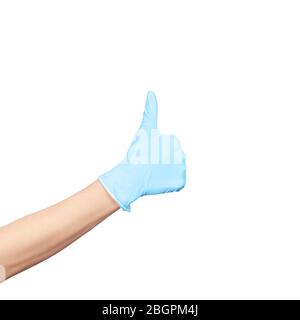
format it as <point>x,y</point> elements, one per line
<point>153,164</point>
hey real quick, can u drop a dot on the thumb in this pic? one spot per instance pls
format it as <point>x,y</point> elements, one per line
<point>150,113</point>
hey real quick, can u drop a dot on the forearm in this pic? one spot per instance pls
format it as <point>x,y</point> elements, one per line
<point>38,236</point>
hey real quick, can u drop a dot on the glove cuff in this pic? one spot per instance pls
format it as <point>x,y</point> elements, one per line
<point>122,184</point>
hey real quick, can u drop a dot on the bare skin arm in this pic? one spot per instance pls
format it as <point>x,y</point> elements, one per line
<point>36,237</point>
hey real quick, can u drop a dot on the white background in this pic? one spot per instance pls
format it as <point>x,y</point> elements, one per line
<point>73,81</point>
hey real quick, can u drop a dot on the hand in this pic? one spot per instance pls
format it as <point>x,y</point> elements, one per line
<point>153,164</point>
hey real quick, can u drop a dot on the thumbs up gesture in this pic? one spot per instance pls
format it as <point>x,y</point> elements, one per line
<point>154,163</point>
